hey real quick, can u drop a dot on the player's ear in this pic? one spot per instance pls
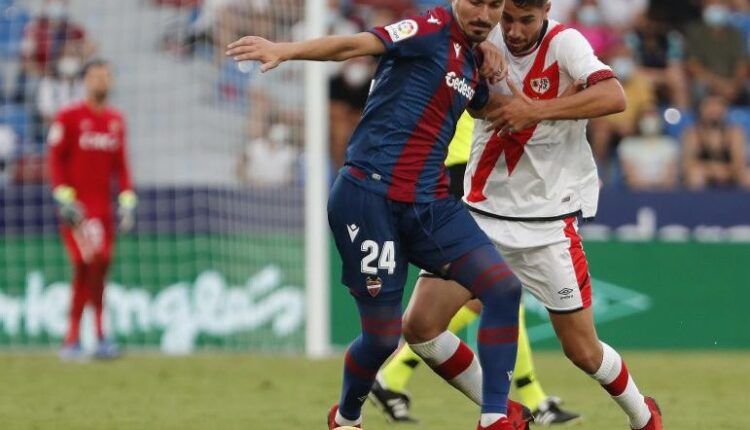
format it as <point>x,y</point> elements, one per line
<point>547,8</point>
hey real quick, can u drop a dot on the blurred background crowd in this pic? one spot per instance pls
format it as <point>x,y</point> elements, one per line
<point>683,64</point>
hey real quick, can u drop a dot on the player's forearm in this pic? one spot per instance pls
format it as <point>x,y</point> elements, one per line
<point>605,98</point>
<point>334,48</point>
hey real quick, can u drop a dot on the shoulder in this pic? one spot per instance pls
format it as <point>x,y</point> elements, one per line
<point>70,112</point>
<point>114,113</point>
<point>569,39</point>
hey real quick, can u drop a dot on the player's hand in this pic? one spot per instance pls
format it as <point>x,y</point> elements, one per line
<point>127,202</point>
<point>70,210</point>
<point>495,67</point>
<point>254,48</point>
<point>519,113</point>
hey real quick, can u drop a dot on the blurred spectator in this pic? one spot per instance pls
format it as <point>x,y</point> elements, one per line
<point>716,55</point>
<point>277,96</point>
<point>562,10</point>
<point>8,145</point>
<point>269,161</point>
<point>60,88</point>
<point>714,150</point>
<point>606,133</point>
<point>659,51</point>
<point>13,19</point>
<point>588,19</point>
<point>741,19</point>
<point>650,159</point>
<point>676,12</point>
<point>622,14</point>
<point>348,93</point>
<point>46,37</point>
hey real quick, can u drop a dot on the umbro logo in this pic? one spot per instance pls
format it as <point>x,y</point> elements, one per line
<point>565,291</point>
<point>457,48</point>
<point>433,20</point>
<point>353,231</point>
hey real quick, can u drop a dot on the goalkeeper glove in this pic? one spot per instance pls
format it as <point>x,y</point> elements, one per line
<point>71,212</point>
<point>127,201</point>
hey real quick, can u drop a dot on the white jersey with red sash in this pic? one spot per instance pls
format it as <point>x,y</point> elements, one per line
<point>546,172</point>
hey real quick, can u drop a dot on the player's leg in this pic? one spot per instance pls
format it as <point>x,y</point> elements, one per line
<point>374,270</point>
<point>79,296</point>
<point>568,299</point>
<point>432,304</point>
<point>546,409</point>
<point>395,375</point>
<point>445,239</point>
<point>389,391</point>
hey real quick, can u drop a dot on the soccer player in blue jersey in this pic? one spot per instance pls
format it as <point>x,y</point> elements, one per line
<point>390,205</point>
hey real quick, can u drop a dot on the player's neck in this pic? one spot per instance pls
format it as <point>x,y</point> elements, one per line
<point>95,104</point>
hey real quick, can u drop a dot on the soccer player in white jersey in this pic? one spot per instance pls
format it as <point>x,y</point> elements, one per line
<point>530,176</point>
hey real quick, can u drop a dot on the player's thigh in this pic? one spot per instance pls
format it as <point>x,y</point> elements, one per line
<point>547,257</point>
<point>433,304</point>
<point>439,233</point>
<point>374,266</point>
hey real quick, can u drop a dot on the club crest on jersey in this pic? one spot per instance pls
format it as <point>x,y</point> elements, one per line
<point>374,285</point>
<point>402,30</point>
<point>541,85</point>
<point>460,84</point>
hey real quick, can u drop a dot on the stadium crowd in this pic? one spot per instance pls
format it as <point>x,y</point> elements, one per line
<point>686,126</point>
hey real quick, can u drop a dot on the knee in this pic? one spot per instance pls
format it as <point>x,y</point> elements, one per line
<point>419,329</point>
<point>586,358</point>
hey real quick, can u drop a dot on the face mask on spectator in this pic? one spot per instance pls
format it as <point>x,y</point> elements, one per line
<point>650,125</point>
<point>623,67</point>
<point>716,15</point>
<point>356,74</point>
<point>68,66</point>
<point>589,16</point>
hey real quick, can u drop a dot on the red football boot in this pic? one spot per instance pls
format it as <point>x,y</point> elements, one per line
<point>655,422</point>
<point>332,424</point>
<point>519,417</point>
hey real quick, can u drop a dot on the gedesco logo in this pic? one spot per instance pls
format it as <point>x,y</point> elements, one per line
<point>98,141</point>
<point>460,84</point>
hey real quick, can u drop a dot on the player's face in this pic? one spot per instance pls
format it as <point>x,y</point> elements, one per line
<point>522,26</point>
<point>478,17</point>
<point>98,82</point>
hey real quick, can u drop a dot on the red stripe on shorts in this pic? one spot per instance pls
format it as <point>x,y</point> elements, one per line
<point>578,258</point>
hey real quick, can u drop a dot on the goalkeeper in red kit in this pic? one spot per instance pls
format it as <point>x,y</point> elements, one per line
<point>86,151</point>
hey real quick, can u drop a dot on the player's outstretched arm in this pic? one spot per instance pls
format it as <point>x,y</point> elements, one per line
<point>604,98</point>
<point>328,48</point>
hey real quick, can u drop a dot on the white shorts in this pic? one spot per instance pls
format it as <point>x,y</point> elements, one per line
<point>547,257</point>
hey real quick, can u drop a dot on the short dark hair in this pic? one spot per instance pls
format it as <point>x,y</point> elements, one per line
<point>96,62</point>
<point>530,3</point>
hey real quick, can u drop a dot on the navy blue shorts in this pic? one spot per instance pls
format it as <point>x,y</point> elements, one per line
<point>378,237</point>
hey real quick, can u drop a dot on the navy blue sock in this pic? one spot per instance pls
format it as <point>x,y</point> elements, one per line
<point>381,332</point>
<point>485,274</point>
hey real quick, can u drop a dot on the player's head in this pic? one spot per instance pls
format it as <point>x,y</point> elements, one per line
<point>478,17</point>
<point>522,23</point>
<point>97,77</point>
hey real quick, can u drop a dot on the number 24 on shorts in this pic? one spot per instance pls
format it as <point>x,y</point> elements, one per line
<point>385,256</point>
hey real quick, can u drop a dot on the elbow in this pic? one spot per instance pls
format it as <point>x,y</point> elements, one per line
<point>619,104</point>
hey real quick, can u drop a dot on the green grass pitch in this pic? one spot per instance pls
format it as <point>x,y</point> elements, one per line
<point>250,392</point>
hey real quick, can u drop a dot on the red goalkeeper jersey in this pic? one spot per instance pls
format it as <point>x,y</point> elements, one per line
<point>87,150</point>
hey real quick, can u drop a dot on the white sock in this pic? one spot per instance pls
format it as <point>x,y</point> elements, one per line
<point>615,378</point>
<point>489,419</point>
<point>341,421</point>
<point>455,362</point>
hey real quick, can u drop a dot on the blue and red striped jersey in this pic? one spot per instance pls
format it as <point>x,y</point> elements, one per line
<point>425,80</point>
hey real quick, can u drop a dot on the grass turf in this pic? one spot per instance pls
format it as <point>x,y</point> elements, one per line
<point>224,392</point>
